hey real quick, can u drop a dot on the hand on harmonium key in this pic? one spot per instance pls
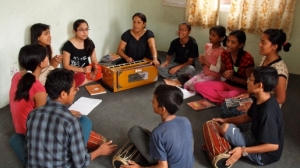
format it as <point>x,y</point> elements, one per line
<point>155,63</point>
<point>129,60</point>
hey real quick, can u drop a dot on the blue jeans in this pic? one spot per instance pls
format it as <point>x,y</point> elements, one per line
<point>238,138</point>
<point>18,143</point>
<point>86,126</point>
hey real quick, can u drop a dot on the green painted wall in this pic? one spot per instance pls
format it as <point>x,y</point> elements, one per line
<point>164,20</point>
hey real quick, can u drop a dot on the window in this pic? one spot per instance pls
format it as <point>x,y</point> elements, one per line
<point>224,4</point>
<point>177,3</point>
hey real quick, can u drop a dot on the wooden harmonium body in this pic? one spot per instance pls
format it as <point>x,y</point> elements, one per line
<point>129,75</point>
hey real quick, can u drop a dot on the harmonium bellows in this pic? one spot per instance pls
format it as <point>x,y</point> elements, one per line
<point>129,75</point>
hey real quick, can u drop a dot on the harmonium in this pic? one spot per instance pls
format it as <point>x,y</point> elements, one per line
<point>129,75</point>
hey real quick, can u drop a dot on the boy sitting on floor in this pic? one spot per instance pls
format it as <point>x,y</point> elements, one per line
<point>54,135</point>
<point>171,142</point>
<point>264,142</point>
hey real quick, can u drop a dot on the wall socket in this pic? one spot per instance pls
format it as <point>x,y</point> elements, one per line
<point>13,69</point>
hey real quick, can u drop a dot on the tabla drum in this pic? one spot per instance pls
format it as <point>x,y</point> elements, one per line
<point>95,140</point>
<point>126,153</point>
<point>216,146</point>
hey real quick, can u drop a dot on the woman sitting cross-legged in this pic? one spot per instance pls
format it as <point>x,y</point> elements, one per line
<point>138,42</point>
<point>236,67</point>
<point>271,42</point>
<point>77,52</point>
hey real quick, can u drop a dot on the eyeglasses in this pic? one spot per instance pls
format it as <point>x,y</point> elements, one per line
<point>249,79</point>
<point>82,30</point>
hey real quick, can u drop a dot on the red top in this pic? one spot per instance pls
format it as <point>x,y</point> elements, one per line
<point>20,109</point>
<point>242,63</point>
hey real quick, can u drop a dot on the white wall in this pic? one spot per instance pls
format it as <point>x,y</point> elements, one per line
<point>107,19</point>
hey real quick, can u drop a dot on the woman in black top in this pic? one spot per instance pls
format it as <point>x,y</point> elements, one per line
<point>138,42</point>
<point>78,50</point>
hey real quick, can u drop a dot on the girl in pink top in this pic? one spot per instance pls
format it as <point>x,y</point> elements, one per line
<point>211,60</point>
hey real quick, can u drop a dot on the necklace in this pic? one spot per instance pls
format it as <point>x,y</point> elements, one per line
<point>183,43</point>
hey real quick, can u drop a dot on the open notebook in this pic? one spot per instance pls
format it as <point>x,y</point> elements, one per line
<point>186,93</point>
<point>85,105</point>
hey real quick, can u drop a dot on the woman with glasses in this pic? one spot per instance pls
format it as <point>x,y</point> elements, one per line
<point>79,50</point>
<point>138,42</point>
<point>185,50</point>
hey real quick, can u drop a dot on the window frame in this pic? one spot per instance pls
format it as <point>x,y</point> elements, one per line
<point>175,3</point>
<point>182,4</point>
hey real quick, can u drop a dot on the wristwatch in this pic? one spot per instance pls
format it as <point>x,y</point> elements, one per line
<point>244,151</point>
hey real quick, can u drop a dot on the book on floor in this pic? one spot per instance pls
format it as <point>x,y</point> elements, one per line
<point>201,104</point>
<point>173,82</point>
<point>95,89</point>
<point>236,102</point>
<point>85,105</point>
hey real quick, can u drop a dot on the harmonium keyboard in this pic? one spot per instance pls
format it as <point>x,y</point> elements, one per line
<point>129,75</point>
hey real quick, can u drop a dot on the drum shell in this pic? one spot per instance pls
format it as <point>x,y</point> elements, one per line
<point>126,153</point>
<point>95,140</point>
<point>216,146</point>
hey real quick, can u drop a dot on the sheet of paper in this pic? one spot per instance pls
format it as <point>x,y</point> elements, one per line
<point>186,93</point>
<point>85,105</point>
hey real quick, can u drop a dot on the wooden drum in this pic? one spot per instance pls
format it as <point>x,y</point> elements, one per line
<point>95,141</point>
<point>216,146</point>
<point>126,153</point>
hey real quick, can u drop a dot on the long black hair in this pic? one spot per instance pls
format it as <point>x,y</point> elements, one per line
<point>241,37</point>
<point>88,43</point>
<point>277,36</point>
<point>30,57</point>
<point>36,31</point>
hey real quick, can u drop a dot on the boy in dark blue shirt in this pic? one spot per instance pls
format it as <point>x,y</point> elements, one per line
<point>263,143</point>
